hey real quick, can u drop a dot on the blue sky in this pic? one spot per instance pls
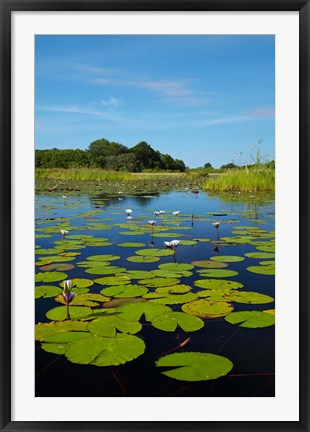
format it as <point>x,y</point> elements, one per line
<point>199,98</point>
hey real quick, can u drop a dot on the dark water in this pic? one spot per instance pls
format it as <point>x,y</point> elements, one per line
<point>250,350</point>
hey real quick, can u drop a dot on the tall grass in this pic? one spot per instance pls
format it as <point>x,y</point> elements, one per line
<point>97,174</point>
<point>253,179</point>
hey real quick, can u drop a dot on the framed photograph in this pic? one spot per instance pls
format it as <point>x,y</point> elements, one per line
<point>155,223</point>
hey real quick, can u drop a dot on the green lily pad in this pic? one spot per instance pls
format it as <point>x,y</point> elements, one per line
<point>92,264</point>
<point>131,244</point>
<point>58,267</point>
<point>262,269</point>
<point>268,263</point>
<point>209,264</point>
<point>121,291</point>
<point>251,319</point>
<point>132,233</point>
<point>217,284</point>
<point>175,266</point>
<point>76,312</point>
<point>217,273</point>
<point>168,235</point>
<point>79,283</point>
<point>195,366</point>
<point>259,255</point>
<point>227,259</point>
<point>49,251</point>
<point>103,258</point>
<point>105,270</point>
<point>101,351</point>
<point>159,282</point>
<point>143,259</point>
<point>46,291</point>
<point>171,274</point>
<point>188,242</point>
<point>87,299</point>
<point>170,320</point>
<point>113,280</point>
<point>58,344</point>
<point>173,299</point>
<point>50,276</point>
<point>45,330</point>
<point>43,262</point>
<point>266,248</point>
<point>207,308</point>
<point>202,239</point>
<point>134,311</point>
<point>139,274</point>
<point>107,326</point>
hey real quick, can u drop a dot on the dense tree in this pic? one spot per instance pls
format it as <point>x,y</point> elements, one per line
<point>229,166</point>
<point>109,155</point>
<point>207,165</point>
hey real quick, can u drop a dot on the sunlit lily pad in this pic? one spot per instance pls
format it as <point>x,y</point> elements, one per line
<point>209,264</point>
<point>175,266</point>
<point>207,308</point>
<point>134,311</point>
<point>171,274</point>
<point>103,258</point>
<point>58,267</point>
<point>131,244</point>
<point>251,319</point>
<point>217,284</point>
<point>46,291</point>
<point>170,298</point>
<point>262,269</point>
<point>49,251</point>
<point>120,291</point>
<point>188,242</point>
<point>170,320</point>
<point>79,283</point>
<point>76,312</point>
<point>113,280</point>
<point>91,264</point>
<point>202,239</point>
<point>217,273</point>
<point>143,259</point>
<point>195,366</point>
<point>260,255</point>
<point>158,282</point>
<point>57,344</point>
<point>50,276</point>
<point>107,326</point>
<point>87,299</point>
<point>139,274</point>
<point>105,270</point>
<point>268,247</point>
<point>45,330</point>
<point>227,258</point>
<point>101,351</point>
<point>59,258</point>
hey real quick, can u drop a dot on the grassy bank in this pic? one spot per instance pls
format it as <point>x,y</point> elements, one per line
<point>243,180</point>
<point>97,180</point>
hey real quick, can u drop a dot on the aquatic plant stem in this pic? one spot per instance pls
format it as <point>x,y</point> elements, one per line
<point>119,383</point>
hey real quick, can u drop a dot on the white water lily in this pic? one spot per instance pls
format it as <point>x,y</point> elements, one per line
<point>64,197</point>
<point>152,222</point>
<point>128,211</point>
<point>168,245</point>
<point>175,213</point>
<point>162,211</point>
<point>175,243</point>
<point>216,224</point>
<point>64,232</point>
<point>156,213</point>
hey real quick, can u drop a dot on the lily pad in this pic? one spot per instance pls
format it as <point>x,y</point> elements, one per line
<point>217,284</point>
<point>87,299</point>
<point>105,270</point>
<point>58,344</point>
<point>208,264</point>
<point>58,267</point>
<point>143,259</point>
<point>227,259</point>
<point>45,330</point>
<point>121,291</point>
<point>170,320</point>
<point>92,264</point>
<point>101,351</point>
<point>170,298</point>
<point>113,280</point>
<point>76,313</point>
<point>176,266</point>
<point>217,273</point>
<point>79,283</point>
<point>103,258</point>
<point>107,326</point>
<point>139,274</point>
<point>46,291</point>
<point>134,311</point>
<point>50,276</point>
<point>251,319</point>
<point>260,255</point>
<point>159,282</point>
<point>195,366</point>
<point>262,269</point>
<point>188,242</point>
<point>207,308</point>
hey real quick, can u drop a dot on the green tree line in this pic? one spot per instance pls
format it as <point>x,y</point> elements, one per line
<point>109,155</point>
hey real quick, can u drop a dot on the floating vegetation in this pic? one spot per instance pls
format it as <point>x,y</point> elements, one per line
<point>146,298</point>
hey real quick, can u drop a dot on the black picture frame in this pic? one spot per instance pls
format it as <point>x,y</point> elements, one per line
<point>6,9</point>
